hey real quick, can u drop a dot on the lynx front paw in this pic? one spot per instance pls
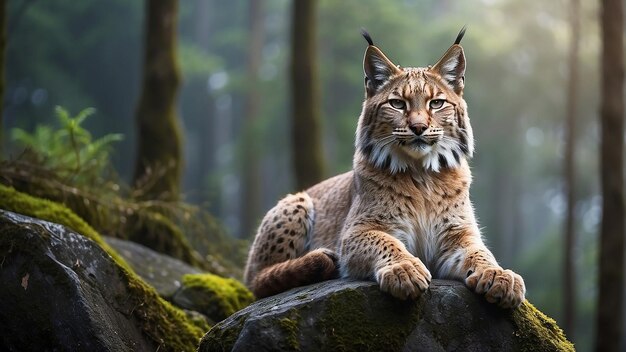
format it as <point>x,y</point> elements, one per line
<point>403,279</point>
<point>500,286</point>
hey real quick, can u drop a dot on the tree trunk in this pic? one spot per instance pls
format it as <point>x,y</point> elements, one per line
<point>569,268</point>
<point>306,129</point>
<point>159,161</point>
<point>3,45</point>
<point>609,319</point>
<point>206,119</point>
<point>251,175</point>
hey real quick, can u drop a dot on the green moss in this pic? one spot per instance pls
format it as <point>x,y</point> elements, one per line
<point>227,295</point>
<point>290,327</point>
<point>219,339</point>
<point>537,332</point>
<point>156,231</point>
<point>226,334</point>
<point>181,230</point>
<point>43,209</point>
<point>359,320</point>
<point>198,320</point>
<point>167,325</point>
<point>164,322</point>
<point>534,331</point>
<point>341,323</point>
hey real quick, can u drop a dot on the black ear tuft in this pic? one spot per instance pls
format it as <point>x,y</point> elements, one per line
<point>460,36</point>
<point>378,69</point>
<point>367,36</point>
<point>451,66</point>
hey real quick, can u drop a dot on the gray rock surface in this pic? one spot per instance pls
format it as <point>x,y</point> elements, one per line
<point>162,272</point>
<point>343,315</point>
<point>61,292</point>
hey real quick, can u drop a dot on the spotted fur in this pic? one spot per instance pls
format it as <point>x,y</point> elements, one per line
<point>403,215</point>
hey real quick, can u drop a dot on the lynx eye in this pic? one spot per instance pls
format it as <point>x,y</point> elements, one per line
<point>397,104</point>
<point>436,103</point>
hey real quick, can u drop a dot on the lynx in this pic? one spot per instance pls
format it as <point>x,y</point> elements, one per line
<point>403,214</point>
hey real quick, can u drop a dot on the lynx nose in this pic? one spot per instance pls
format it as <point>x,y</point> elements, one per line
<point>418,128</point>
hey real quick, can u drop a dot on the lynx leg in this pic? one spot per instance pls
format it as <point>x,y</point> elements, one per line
<point>277,259</point>
<point>367,254</point>
<point>474,264</point>
<point>503,287</point>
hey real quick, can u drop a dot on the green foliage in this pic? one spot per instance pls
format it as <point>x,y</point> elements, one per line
<point>68,166</point>
<point>196,62</point>
<point>176,228</point>
<point>75,55</point>
<point>70,147</point>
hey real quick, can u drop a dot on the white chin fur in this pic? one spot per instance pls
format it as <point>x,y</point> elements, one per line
<point>419,152</point>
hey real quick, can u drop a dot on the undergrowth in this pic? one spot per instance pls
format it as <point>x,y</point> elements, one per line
<point>66,164</point>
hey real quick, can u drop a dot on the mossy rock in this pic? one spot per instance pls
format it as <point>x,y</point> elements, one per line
<point>161,271</point>
<point>175,228</point>
<point>22,203</point>
<point>212,295</point>
<point>344,315</point>
<point>161,324</point>
<point>158,232</point>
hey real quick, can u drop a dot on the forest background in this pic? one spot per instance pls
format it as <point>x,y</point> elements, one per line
<point>235,106</point>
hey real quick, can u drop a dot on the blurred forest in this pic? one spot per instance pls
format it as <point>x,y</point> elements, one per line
<point>235,103</point>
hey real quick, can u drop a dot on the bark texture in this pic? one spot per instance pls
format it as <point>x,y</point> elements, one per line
<point>159,136</point>
<point>569,265</point>
<point>306,124</point>
<point>609,320</point>
<point>251,174</point>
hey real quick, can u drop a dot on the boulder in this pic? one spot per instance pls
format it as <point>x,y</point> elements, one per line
<point>345,315</point>
<point>213,296</point>
<point>161,271</point>
<point>62,291</point>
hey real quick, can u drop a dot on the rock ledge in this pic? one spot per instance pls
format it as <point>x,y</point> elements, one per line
<point>345,315</point>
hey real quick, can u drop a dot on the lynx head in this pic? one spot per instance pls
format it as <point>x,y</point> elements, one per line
<point>414,118</point>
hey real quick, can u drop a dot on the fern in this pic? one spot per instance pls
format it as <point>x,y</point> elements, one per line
<point>69,147</point>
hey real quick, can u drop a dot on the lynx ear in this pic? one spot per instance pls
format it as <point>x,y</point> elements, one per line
<point>451,66</point>
<point>378,68</point>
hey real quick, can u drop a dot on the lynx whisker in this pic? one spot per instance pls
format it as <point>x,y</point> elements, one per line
<point>383,144</point>
<point>403,132</point>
